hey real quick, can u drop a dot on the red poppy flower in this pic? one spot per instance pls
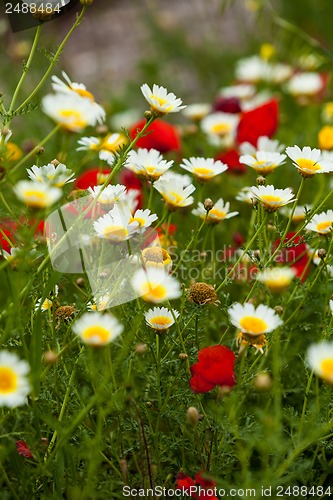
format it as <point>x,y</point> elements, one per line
<point>257,122</point>
<point>92,177</point>
<point>200,484</point>
<point>215,367</point>
<point>296,255</point>
<point>160,135</point>
<point>23,449</point>
<point>227,105</point>
<point>231,158</point>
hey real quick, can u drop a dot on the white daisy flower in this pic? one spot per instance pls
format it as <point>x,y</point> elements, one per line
<point>160,100</point>
<point>115,225</point>
<point>43,305</point>
<point>109,195</point>
<point>197,112</point>
<point>218,213</point>
<point>278,73</point>
<point>147,164</point>
<point>243,91</point>
<point>156,257</point>
<point>160,318</point>
<point>12,254</point>
<point>245,195</point>
<point>37,195</point>
<point>174,193</point>
<point>220,127</point>
<point>264,144</point>
<point>305,84</point>
<point>320,360</point>
<point>254,321</point>
<point>130,201</point>
<point>144,218</point>
<point>14,383</point>
<point>154,285</point>
<point>299,213</point>
<point>50,174</point>
<point>251,69</point>
<point>204,168</point>
<point>97,329</point>
<point>72,112</point>
<point>183,179</point>
<point>309,161</point>
<point>271,198</point>
<point>321,223</point>
<point>68,86</point>
<point>277,278</point>
<point>263,163</point>
<point>89,144</point>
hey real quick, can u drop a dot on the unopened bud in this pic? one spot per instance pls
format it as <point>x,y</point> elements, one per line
<point>322,253</point>
<point>183,356</point>
<point>141,348</point>
<point>262,381</point>
<point>50,357</point>
<point>86,2</point>
<point>208,204</point>
<point>147,114</point>
<point>55,162</point>
<point>40,151</point>
<point>278,310</point>
<point>80,282</point>
<point>5,131</point>
<point>261,181</point>
<point>192,415</point>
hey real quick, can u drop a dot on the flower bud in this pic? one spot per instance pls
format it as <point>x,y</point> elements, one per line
<point>141,348</point>
<point>262,381</point>
<point>261,181</point>
<point>192,415</point>
<point>40,151</point>
<point>55,162</point>
<point>50,357</point>
<point>322,253</point>
<point>147,114</point>
<point>208,204</point>
<point>87,3</point>
<point>183,356</point>
<point>278,310</point>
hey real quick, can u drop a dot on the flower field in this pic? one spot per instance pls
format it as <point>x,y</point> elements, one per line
<point>167,278</point>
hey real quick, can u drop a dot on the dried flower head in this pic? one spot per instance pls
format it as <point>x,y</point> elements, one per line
<point>203,293</point>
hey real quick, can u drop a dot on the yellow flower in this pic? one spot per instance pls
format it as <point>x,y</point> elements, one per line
<point>325,137</point>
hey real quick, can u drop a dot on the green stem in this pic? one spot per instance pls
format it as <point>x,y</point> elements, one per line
<point>230,273</point>
<point>282,240</point>
<point>189,245</point>
<point>54,60</point>
<point>25,71</point>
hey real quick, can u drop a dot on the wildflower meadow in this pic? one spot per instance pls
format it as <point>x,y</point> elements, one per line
<point>166,270</point>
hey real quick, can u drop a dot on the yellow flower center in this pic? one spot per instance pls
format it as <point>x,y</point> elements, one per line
<point>140,220</point>
<point>327,369</point>
<point>251,324</point>
<point>84,93</point>
<point>260,166</point>
<point>203,170</point>
<point>277,282</point>
<point>160,100</point>
<point>117,233</point>
<point>218,214</point>
<point>35,199</point>
<point>96,332</point>
<point>221,128</point>
<point>115,145</point>
<point>161,321</point>
<point>154,291</point>
<point>77,120</point>
<point>308,165</point>
<point>8,380</point>
<point>322,227</point>
<point>13,152</point>
<point>270,198</point>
